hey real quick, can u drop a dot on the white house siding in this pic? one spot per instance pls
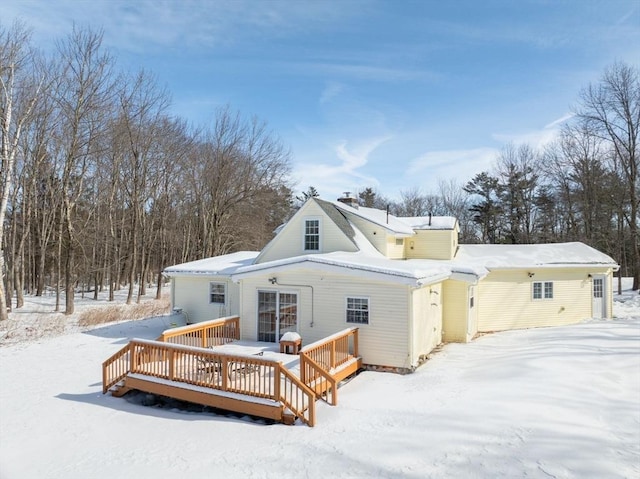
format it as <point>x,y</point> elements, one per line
<point>191,294</point>
<point>506,299</point>
<point>427,321</point>
<point>456,311</point>
<point>382,342</point>
<point>431,244</point>
<point>290,241</point>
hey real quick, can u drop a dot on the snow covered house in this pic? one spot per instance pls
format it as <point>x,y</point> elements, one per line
<point>406,283</point>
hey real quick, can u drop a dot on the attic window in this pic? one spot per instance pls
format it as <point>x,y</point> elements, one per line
<point>312,235</point>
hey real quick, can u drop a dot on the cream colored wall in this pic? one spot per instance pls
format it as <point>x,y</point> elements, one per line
<point>610,294</point>
<point>505,299</point>
<point>376,235</point>
<point>456,311</point>
<point>191,294</point>
<point>383,342</point>
<point>393,250</point>
<point>472,329</point>
<point>432,244</point>
<point>290,241</point>
<point>427,320</point>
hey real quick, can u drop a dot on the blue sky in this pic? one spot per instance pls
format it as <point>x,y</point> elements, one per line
<point>394,94</point>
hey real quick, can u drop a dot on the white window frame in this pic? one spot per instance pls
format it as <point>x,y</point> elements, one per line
<point>224,293</point>
<point>305,234</point>
<point>598,288</point>
<point>545,292</point>
<point>357,310</point>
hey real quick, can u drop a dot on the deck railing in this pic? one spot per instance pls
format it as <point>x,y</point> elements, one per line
<point>115,369</point>
<point>205,334</point>
<point>250,375</point>
<point>326,362</point>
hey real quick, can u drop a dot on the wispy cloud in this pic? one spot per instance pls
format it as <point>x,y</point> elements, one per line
<point>345,174</point>
<point>331,90</point>
<point>448,164</point>
<point>535,138</point>
<point>147,24</point>
<point>360,71</point>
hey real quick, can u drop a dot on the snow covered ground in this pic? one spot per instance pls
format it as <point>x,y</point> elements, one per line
<point>546,403</point>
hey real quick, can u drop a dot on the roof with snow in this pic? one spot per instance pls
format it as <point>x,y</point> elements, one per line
<point>430,222</point>
<point>378,217</point>
<point>337,217</point>
<point>416,272</point>
<point>549,255</point>
<point>223,265</point>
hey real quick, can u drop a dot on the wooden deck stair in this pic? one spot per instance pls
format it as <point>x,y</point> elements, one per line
<point>181,365</point>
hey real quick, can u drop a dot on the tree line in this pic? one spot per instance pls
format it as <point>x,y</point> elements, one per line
<point>101,187</point>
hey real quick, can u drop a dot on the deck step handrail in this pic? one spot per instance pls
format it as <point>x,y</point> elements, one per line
<point>206,334</point>
<point>245,374</point>
<point>320,381</point>
<point>335,356</point>
<point>297,397</point>
<point>115,369</point>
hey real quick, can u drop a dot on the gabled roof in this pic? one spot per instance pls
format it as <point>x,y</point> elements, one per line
<point>379,217</point>
<point>337,217</point>
<point>223,265</point>
<point>520,256</point>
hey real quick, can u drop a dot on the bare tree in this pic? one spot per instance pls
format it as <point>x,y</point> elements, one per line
<point>84,98</point>
<point>141,107</point>
<point>611,110</point>
<point>456,203</point>
<point>231,165</point>
<point>19,91</point>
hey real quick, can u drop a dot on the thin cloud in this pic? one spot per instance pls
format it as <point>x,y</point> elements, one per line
<point>535,138</point>
<point>447,164</point>
<point>559,121</point>
<point>196,24</point>
<point>362,71</point>
<point>331,90</point>
<point>347,174</point>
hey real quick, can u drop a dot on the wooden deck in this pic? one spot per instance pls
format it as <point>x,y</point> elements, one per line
<point>207,364</point>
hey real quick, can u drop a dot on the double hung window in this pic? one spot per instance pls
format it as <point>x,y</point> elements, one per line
<point>217,293</point>
<point>312,235</point>
<point>358,310</point>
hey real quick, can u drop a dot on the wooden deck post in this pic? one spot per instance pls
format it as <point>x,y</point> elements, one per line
<point>132,356</point>
<point>276,381</point>
<point>332,359</point>
<point>303,368</point>
<point>355,342</point>
<point>172,364</point>
<point>224,372</point>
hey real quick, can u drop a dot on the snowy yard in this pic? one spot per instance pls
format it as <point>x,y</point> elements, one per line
<point>546,403</point>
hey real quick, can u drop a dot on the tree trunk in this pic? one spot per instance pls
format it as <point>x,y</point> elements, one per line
<point>69,282</point>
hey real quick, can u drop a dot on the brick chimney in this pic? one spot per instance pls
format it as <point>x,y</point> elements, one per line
<point>347,199</point>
